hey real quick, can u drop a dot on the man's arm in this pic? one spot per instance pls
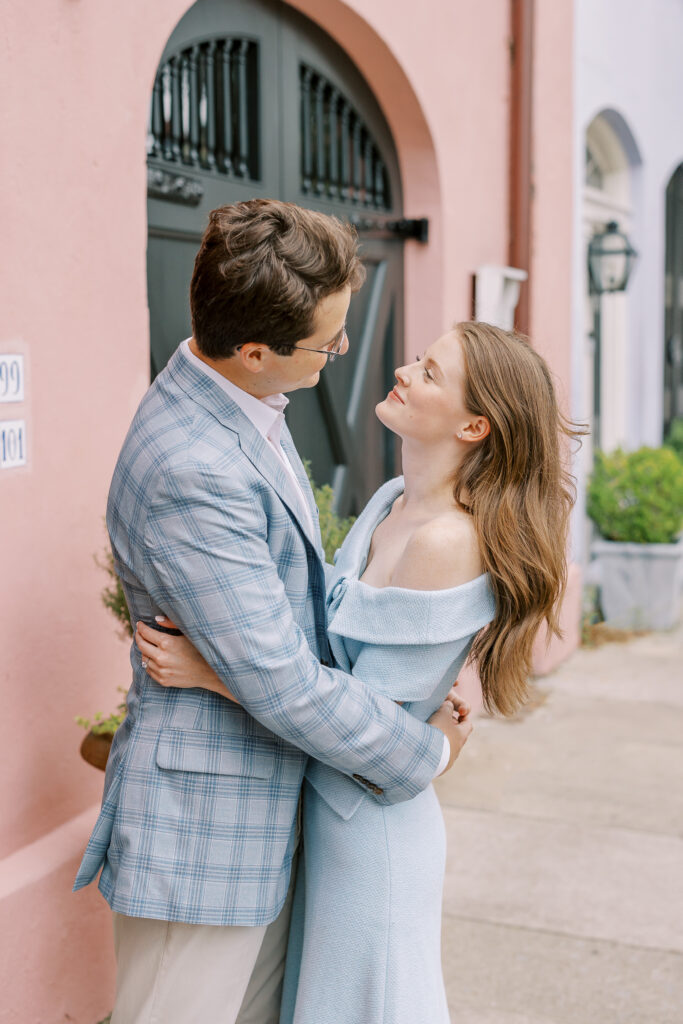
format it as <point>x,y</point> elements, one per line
<point>209,567</point>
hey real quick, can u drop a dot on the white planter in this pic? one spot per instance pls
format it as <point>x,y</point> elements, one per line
<point>639,583</point>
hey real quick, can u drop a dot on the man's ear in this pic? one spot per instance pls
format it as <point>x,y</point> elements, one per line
<point>253,356</point>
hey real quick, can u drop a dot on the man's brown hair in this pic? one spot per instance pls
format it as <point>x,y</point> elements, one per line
<point>262,268</point>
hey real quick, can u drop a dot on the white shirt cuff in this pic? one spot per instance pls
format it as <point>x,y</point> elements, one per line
<point>445,756</point>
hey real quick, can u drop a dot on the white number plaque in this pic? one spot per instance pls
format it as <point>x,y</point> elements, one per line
<point>12,443</point>
<point>11,378</point>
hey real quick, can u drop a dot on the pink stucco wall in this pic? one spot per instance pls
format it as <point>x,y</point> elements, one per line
<point>73,294</point>
<point>440,73</point>
<point>76,79</point>
<point>552,212</point>
<point>551,248</point>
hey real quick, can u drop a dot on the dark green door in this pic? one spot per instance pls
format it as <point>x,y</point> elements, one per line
<point>673,351</point>
<point>212,139</point>
<point>252,99</point>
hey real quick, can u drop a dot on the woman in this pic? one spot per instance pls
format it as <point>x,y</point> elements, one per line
<point>464,555</point>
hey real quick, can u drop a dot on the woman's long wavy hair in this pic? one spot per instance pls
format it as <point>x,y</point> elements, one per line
<point>520,494</point>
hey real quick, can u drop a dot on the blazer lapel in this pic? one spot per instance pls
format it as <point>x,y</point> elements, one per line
<point>208,393</point>
<point>302,476</point>
<point>263,456</point>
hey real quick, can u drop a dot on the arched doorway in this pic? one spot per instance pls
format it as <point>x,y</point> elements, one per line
<point>673,312</point>
<point>252,99</point>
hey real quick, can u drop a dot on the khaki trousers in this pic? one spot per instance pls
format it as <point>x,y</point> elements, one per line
<point>174,973</point>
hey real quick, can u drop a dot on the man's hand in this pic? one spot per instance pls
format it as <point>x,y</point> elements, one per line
<point>452,719</point>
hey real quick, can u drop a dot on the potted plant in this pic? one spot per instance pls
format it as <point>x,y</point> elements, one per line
<point>636,501</point>
<point>100,729</point>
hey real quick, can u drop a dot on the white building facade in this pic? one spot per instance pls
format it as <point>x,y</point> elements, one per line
<point>628,122</point>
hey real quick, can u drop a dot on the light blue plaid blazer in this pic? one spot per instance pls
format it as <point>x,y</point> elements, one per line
<point>200,798</point>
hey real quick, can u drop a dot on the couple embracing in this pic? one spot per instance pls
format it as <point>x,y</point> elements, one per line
<point>269,839</point>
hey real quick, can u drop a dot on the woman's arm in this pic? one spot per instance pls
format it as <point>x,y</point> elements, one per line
<point>173,661</point>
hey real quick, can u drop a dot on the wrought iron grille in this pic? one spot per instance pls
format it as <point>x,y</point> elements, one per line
<point>339,157</point>
<point>204,110</point>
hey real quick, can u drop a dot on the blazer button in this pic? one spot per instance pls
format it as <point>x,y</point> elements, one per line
<point>324,663</point>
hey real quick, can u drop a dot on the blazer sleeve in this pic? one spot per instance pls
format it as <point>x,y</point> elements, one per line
<point>208,565</point>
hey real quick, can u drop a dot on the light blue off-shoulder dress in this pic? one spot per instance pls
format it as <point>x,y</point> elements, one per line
<point>365,939</point>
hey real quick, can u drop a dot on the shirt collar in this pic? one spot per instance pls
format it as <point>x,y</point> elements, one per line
<point>266,413</point>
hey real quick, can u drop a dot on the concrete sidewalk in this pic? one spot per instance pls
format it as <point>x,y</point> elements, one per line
<point>563,901</point>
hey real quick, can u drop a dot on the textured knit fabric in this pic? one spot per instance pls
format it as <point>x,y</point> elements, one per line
<point>364,944</point>
<point>200,800</point>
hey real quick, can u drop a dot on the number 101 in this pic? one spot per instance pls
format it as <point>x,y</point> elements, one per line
<point>12,443</point>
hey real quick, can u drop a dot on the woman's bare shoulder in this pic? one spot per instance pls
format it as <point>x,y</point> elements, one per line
<point>441,553</point>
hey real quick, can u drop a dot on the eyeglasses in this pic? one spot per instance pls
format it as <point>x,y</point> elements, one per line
<point>333,350</point>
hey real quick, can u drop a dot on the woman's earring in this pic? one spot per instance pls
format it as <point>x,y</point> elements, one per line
<point>459,435</point>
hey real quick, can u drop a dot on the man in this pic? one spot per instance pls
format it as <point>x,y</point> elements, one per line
<point>212,523</point>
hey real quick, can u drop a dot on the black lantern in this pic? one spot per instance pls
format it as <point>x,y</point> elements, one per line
<point>610,260</point>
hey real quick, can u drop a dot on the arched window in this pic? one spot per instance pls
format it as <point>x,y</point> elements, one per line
<point>594,176</point>
<point>608,165</point>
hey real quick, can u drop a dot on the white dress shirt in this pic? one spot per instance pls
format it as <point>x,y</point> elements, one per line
<point>268,414</point>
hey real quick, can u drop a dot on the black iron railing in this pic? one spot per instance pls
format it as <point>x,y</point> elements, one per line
<point>339,157</point>
<point>204,110</point>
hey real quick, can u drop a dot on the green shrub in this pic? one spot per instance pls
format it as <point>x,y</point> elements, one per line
<point>637,496</point>
<point>112,595</point>
<point>104,726</point>
<point>332,528</point>
<point>113,598</point>
<point>674,439</point>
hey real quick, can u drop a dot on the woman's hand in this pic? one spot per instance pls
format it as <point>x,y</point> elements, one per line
<point>173,661</point>
<point>453,720</point>
<point>459,705</point>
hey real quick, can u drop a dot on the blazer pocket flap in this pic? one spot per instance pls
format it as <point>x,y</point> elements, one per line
<point>337,790</point>
<point>213,753</point>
